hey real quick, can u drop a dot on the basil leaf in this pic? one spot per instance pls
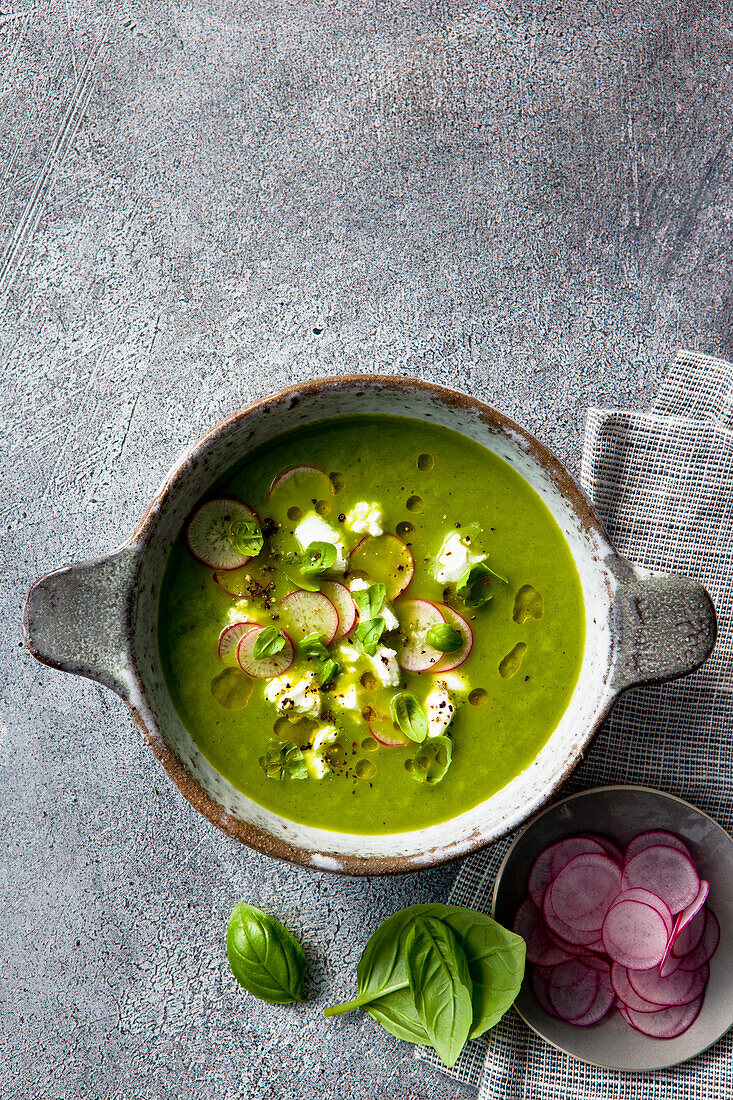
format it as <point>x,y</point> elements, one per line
<point>327,671</point>
<point>312,646</point>
<point>318,557</point>
<point>441,985</point>
<point>369,633</point>
<point>265,958</point>
<point>247,537</point>
<point>284,761</point>
<point>409,716</point>
<point>268,642</point>
<point>444,638</point>
<point>472,585</point>
<point>430,764</point>
<point>300,582</point>
<point>370,601</point>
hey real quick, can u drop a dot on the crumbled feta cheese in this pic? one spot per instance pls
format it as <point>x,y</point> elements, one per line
<point>365,518</point>
<point>314,529</point>
<point>439,709</point>
<point>391,621</point>
<point>239,612</point>
<point>324,737</point>
<point>315,761</point>
<point>454,558</point>
<point>385,666</point>
<point>347,699</point>
<point>358,584</point>
<point>295,696</point>
<point>349,654</point>
<point>454,682</point>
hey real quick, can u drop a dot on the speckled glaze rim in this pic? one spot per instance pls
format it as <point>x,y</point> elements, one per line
<point>280,402</point>
<point>552,808</point>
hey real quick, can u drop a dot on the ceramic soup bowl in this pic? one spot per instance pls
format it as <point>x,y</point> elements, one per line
<point>98,618</point>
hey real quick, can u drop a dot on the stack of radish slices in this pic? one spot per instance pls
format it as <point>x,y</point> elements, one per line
<point>630,930</point>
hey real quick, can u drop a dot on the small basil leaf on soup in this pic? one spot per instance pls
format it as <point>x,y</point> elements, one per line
<point>247,537</point>
<point>473,585</point>
<point>269,641</point>
<point>264,957</point>
<point>444,638</point>
<point>300,581</point>
<point>312,647</point>
<point>369,633</point>
<point>370,601</point>
<point>430,764</point>
<point>318,557</point>
<point>441,985</point>
<point>327,671</point>
<point>409,716</point>
<point>284,761</point>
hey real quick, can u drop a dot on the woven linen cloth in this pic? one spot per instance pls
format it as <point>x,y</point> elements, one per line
<point>662,482</point>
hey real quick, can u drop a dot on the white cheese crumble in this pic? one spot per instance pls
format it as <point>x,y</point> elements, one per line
<point>385,666</point>
<point>391,621</point>
<point>454,558</point>
<point>314,529</point>
<point>347,699</point>
<point>349,654</point>
<point>454,681</point>
<point>358,584</point>
<point>439,708</point>
<point>314,757</point>
<point>365,518</point>
<point>295,696</point>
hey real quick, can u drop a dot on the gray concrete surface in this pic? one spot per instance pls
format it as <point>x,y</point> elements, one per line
<point>531,201</point>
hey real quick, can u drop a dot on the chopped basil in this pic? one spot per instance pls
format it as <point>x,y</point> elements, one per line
<point>247,537</point>
<point>430,764</point>
<point>318,557</point>
<point>284,760</point>
<point>444,638</point>
<point>369,633</point>
<point>269,641</point>
<point>409,716</point>
<point>369,601</point>
<point>473,584</point>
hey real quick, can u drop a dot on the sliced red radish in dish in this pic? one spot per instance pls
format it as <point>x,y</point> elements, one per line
<point>564,931</point>
<point>231,636</point>
<point>707,946</point>
<point>626,992</point>
<point>654,837</point>
<point>667,872</point>
<point>634,934</point>
<point>608,846</point>
<point>551,861</point>
<point>686,916</point>
<point>306,481</point>
<point>458,656</point>
<point>669,963</point>
<point>687,939</point>
<point>340,597</point>
<point>540,977</point>
<point>584,889</point>
<point>638,893</point>
<point>602,1002</point>
<point>679,988</point>
<point>667,1023</point>
<point>383,559</point>
<point>209,534</point>
<point>529,925</point>
<point>383,730</point>
<point>416,617</point>
<point>564,945</point>
<point>309,613</point>
<point>263,668</point>
<point>572,989</point>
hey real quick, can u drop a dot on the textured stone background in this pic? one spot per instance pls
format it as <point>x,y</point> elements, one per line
<point>530,201</point>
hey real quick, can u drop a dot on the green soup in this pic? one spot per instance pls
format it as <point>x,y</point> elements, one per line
<point>330,734</point>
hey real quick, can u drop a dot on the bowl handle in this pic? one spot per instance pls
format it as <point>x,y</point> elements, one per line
<point>666,626</point>
<point>77,618</point>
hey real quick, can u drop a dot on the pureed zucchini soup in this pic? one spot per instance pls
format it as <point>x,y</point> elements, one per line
<point>371,624</point>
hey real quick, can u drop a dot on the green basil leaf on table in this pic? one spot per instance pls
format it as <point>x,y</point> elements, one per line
<point>247,537</point>
<point>444,638</point>
<point>409,716</point>
<point>318,557</point>
<point>284,761</point>
<point>441,985</point>
<point>432,761</point>
<point>369,634</point>
<point>473,585</point>
<point>265,958</point>
<point>268,642</point>
<point>370,601</point>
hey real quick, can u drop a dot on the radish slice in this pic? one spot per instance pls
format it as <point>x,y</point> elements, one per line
<point>689,937</point>
<point>654,837</point>
<point>385,559</point>
<point>263,668</point>
<point>608,846</point>
<point>310,613</point>
<point>603,1001</point>
<point>687,915</point>
<point>383,730</point>
<point>340,597</point>
<point>572,989</point>
<point>626,992</point>
<point>529,925</point>
<point>639,894</point>
<point>679,988</point>
<point>669,963</point>
<point>540,978</point>
<point>584,889</point>
<point>635,935</point>
<point>707,946</point>
<point>667,872</point>
<point>564,931</point>
<point>209,533</point>
<point>550,862</point>
<point>666,1024</point>
<point>416,617</point>
<point>231,636</point>
<point>455,659</point>
<point>569,948</point>
<point>306,481</point>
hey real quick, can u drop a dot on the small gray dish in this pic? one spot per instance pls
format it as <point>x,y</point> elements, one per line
<point>620,813</point>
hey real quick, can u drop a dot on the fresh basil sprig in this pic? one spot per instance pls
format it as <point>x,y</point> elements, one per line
<point>284,760</point>
<point>265,958</point>
<point>247,537</point>
<point>472,586</point>
<point>441,985</point>
<point>370,601</point>
<point>318,557</point>
<point>369,633</point>
<point>313,649</point>
<point>409,716</point>
<point>268,642</point>
<point>432,761</point>
<point>444,638</point>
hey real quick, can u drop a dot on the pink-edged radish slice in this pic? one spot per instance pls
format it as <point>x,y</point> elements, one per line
<point>624,1013</point>
<point>340,597</point>
<point>584,889</point>
<point>680,988</point>
<point>307,481</point>
<point>540,978</point>
<point>653,837</point>
<point>209,533</point>
<point>569,948</point>
<point>309,613</point>
<point>383,559</point>
<point>626,992</point>
<point>458,656</point>
<point>635,935</point>
<point>416,617</point>
<point>231,636</point>
<point>383,730</point>
<point>707,946</point>
<point>689,937</point>
<point>638,893</point>
<point>263,668</point>
<point>602,1003</point>
<point>551,861</point>
<point>667,872</point>
<point>671,962</point>
<point>668,1023</point>
<point>608,846</point>
<point>563,930</point>
<point>529,925</point>
<point>572,989</point>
